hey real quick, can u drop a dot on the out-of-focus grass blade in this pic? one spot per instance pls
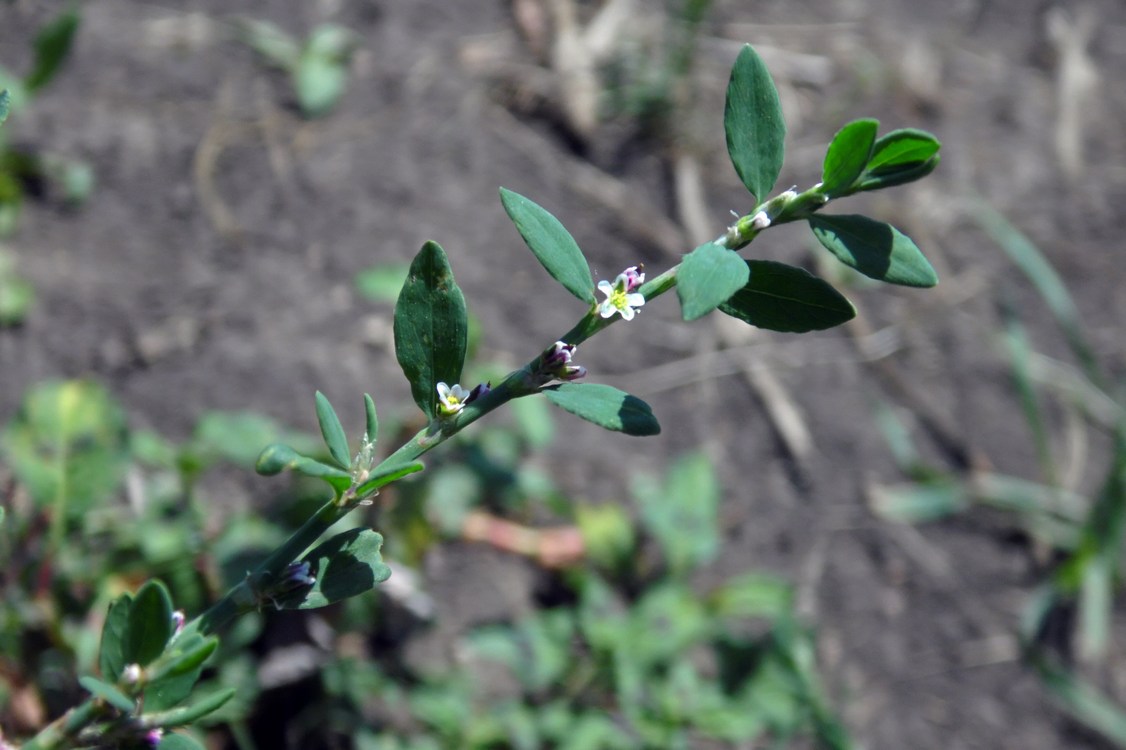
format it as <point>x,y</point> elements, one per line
<point>1020,355</point>
<point>898,437</point>
<point>1083,701</point>
<point>1094,402</point>
<point>1028,258</point>
<point>1096,596</point>
<point>918,503</point>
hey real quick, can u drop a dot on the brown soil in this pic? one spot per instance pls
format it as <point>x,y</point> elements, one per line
<point>213,269</point>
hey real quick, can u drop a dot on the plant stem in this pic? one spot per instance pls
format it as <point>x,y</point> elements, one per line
<point>59,732</point>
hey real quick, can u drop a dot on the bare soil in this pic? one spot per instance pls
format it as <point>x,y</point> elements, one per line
<point>213,269</point>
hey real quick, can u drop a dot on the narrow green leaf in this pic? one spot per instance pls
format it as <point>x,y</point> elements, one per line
<point>707,278</point>
<point>551,243</point>
<point>52,44</point>
<point>605,406</point>
<point>111,657</point>
<point>107,692</point>
<point>756,131</point>
<point>186,654</point>
<point>150,624</point>
<point>1083,700</point>
<point>1096,599</point>
<point>188,714</point>
<point>333,432</point>
<point>372,421</point>
<point>179,742</point>
<point>276,458</point>
<point>5,105</point>
<point>387,476</point>
<point>779,297</point>
<point>902,148</point>
<point>346,565</point>
<point>431,328</point>
<point>919,503</point>
<point>1026,256</point>
<point>277,46</point>
<point>899,157</point>
<point>876,249</point>
<point>847,156</point>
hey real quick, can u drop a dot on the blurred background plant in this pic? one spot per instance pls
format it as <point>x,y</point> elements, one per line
<point>1077,534</point>
<point>628,648</point>
<point>35,169</point>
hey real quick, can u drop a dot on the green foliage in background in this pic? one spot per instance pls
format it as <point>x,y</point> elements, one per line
<point>1068,620</point>
<point>633,655</point>
<point>36,169</point>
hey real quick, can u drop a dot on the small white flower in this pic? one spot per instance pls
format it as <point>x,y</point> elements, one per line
<point>761,220</point>
<point>131,674</point>
<point>619,298</point>
<point>451,400</point>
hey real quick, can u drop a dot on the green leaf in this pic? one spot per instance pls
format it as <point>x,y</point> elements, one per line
<point>111,657</point>
<point>877,250</point>
<point>344,566</point>
<point>753,595</point>
<point>269,40</point>
<point>52,44</point>
<point>783,298</point>
<point>430,327</point>
<point>332,432</point>
<point>179,742</point>
<point>68,445</point>
<point>756,131</point>
<point>899,157</point>
<point>681,513</point>
<point>1083,700</point>
<point>150,624</point>
<point>899,149</point>
<point>707,278</point>
<point>319,82</point>
<point>174,676</point>
<point>387,476</point>
<point>919,503</point>
<point>372,421</point>
<point>605,406</point>
<point>188,714</point>
<point>847,156</point>
<point>5,105</point>
<point>185,655</point>
<point>107,692</point>
<point>1026,256</point>
<point>276,458</point>
<point>551,243</point>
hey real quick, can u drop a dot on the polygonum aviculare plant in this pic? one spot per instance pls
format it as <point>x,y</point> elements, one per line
<point>149,666</point>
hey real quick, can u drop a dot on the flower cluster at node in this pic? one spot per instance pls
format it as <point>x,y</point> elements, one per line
<point>555,363</point>
<point>620,296</point>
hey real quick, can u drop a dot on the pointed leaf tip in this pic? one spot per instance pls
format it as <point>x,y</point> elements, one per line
<point>875,249</point>
<point>756,130</point>
<point>431,327</point>
<point>332,432</point>
<point>606,407</point>
<point>551,243</point>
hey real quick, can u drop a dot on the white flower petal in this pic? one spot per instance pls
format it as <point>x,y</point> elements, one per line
<point>606,287</point>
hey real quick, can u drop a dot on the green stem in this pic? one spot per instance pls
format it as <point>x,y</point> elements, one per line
<point>60,732</point>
